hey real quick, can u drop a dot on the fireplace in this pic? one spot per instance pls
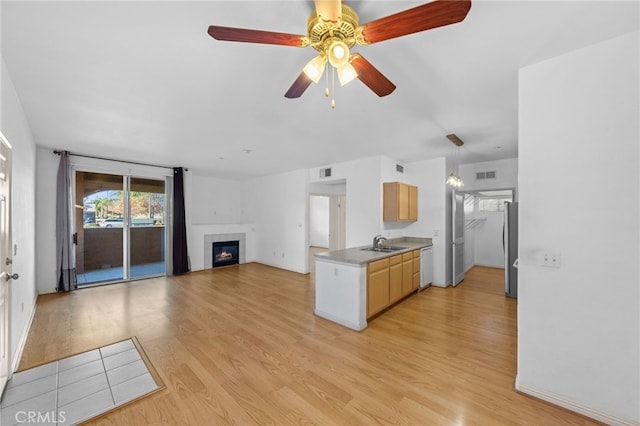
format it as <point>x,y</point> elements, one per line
<point>226,253</point>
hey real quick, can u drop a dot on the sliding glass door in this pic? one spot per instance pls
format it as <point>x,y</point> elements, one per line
<point>147,230</point>
<point>119,227</point>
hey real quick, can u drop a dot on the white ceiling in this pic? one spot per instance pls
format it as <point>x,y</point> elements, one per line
<point>144,81</point>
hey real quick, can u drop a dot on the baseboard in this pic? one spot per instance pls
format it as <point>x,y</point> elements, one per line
<point>15,360</point>
<point>573,406</point>
<point>299,271</point>
<point>353,326</point>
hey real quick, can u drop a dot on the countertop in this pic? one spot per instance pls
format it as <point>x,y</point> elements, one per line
<point>358,257</point>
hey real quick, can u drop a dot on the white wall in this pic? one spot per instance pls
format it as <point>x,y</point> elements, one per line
<point>218,201</point>
<point>364,197</point>
<point>46,175</point>
<point>487,244</point>
<point>16,129</point>
<point>319,221</point>
<point>277,205</point>
<point>429,176</point>
<point>506,174</point>
<point>579,325</point>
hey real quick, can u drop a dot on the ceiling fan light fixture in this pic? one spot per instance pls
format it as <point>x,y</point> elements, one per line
<point>315,68</point>
<point>346,74</point>
<point>338,53</point>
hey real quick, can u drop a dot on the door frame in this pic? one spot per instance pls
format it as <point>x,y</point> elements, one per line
<point>477,193</point>
<point>6,269</point>
<point>126,176</point>
<point>457,237</point>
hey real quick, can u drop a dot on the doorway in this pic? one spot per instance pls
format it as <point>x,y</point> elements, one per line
<point>327,230</point>
<point>478,229</point>
<point>120,231</point>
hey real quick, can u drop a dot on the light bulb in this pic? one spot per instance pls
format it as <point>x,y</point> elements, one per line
<point>346,74</point>
<point>338,53</point>
<point>315,68</point>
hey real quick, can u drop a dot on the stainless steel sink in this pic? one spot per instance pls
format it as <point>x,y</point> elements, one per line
<point>387,249</point>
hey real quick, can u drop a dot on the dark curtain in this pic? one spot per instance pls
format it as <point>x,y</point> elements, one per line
<point>180,257</point>
<point>66,271</point>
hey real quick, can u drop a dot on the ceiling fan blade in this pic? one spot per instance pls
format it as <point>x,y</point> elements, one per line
<point>421,18</point>
<point>329,10</point>
<point>298,87</point>
<point>255,36</point>
<point>371,77</point>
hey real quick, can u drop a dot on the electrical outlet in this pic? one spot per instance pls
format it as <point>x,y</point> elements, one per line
<point>550,260</point>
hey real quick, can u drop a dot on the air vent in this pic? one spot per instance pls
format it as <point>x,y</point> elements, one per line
<point>486,175</point>
<point>325,173</point>
<point>399,168</point>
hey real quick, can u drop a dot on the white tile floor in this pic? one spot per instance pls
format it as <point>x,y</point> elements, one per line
<point>77,388</point>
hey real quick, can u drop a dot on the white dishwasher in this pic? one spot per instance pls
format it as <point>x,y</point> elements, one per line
<point>426,266</point>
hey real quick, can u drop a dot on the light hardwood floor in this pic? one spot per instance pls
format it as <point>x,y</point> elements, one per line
<point>240,345</point>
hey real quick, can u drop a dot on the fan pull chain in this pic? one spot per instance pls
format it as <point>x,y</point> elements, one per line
<point>333,88</point>
<point>326,78</point>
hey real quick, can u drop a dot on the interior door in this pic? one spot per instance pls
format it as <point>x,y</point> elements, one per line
<point>337,222</point>
<point>457,236</point>
<point>5,261</point>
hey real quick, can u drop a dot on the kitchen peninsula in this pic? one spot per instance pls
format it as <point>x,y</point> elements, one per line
<point>355,284</point>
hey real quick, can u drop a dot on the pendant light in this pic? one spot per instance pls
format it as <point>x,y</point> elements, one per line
<point>454,180</point>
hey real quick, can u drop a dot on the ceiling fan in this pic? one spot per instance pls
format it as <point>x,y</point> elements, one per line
<point>333,28</point>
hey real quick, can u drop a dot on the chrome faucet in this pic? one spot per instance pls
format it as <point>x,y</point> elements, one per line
<point>378,240</point>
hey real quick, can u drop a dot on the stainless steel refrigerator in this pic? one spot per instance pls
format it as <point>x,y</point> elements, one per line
<point>510,240</point>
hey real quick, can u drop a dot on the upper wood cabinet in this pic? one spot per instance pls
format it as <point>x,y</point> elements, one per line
<point>400,202</point>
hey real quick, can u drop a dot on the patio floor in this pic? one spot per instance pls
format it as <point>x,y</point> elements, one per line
<point>115,274</point>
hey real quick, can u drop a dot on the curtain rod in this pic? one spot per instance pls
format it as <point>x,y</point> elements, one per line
<point>58,152</point>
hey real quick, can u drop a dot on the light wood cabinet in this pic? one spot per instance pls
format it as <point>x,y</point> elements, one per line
<point>390,279</point>
<point>407,273</point>
<point>416,269</point>
<point>395,278</point>
<point>413,203</point>
<point>400,202</point>
<point>377,286</point>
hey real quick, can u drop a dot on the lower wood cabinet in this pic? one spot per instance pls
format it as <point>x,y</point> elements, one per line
<point>390,279</point>
<point>395,278</point>
<point>416,269</point>
<point>407,273</point>
<point>377,286</point>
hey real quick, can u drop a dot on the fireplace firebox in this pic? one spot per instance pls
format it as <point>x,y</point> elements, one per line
<point>226,253</point>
